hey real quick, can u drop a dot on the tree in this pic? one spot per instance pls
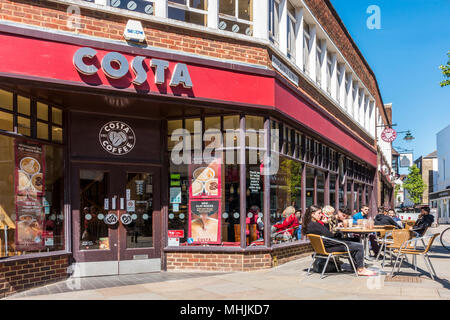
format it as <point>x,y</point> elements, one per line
<point>414,185</point>
<point>446,72</point>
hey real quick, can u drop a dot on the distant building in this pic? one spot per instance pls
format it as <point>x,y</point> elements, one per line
<point>428,166</point>
<point>440,197</point>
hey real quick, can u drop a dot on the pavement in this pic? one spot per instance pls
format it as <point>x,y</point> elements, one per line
<point>286,282</point>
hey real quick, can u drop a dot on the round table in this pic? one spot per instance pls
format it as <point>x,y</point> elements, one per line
<point>364,236</point>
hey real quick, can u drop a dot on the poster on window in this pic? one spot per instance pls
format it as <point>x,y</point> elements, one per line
<point>204,221</point>
<point>29,223</point>
<point>29,192</point>
<point>30,168</point>
<point>205,180</point>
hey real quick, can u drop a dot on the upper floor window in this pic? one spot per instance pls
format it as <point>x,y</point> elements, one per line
<point>236,16</point>
<point>291,31</point>
<point>192,11</point>
<point>274,20</point>
<point>319,62</point>
<point>329,71</point>
<point>338,82</point>
<point>306,47</point>
<point>142,6</point>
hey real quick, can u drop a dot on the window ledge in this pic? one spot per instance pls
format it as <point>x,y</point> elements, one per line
<point>35,256</point>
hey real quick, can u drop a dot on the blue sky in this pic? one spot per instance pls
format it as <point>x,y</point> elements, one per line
<point>405,55</point>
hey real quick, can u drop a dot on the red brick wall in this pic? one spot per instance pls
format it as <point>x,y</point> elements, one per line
<point>25,274</point>
<point>239,261</point>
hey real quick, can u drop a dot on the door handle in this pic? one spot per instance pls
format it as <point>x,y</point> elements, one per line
<point>122,204</point>
<point>113,203</point>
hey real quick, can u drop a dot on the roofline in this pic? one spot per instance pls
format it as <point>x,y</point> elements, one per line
<point>341,23</point>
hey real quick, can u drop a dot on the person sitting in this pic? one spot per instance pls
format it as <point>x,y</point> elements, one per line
<point>424,222</point>
<point>383,219</point>
<point>361,215</point>
<point>394,217</point>
<point>299,216</point>
<point>328,217</point>
<point>312,224</point>
<point>285,229</point>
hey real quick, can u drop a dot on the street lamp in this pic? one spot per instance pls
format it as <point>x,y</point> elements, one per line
<point>408,136</point>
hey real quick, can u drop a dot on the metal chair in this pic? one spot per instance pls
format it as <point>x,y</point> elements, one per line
<point>406,248</point>
<point>320,252</point>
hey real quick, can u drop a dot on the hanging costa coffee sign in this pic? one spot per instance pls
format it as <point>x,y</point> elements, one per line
<point>115,66</point>
<point>389,135</point>
<point>117,138</point>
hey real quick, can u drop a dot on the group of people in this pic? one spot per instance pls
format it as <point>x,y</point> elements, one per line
<point>325,221</point>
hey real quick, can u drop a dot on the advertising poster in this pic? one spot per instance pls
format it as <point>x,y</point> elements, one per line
<point>204,221</point>
<point>29,190</point>
<point>204,180</point>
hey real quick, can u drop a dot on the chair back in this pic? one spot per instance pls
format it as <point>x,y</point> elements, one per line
<point>400,236</point>
<point>430,243</point>
<point>317,244</point>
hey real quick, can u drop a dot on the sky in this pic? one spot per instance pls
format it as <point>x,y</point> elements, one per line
<point>405,55</point>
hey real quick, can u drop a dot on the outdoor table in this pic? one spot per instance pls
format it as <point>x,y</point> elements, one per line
<point>364,236</point>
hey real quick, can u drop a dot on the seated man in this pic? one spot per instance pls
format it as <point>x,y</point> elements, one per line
<point>285,229</point>
<point>394,217</point>
<point>424,222</point>
<point>383,219</point>
<point>361,215</point>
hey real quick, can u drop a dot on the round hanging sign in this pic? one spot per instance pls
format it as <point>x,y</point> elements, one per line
<point>111,218</point>
<point>117,138</point>
<point>389,135</point>
<point>126,219</point>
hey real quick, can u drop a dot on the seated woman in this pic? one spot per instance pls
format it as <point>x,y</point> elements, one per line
<point>289,223</point>
<point>312,224</point>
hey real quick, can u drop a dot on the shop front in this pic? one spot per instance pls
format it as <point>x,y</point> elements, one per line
<point>141,160</point>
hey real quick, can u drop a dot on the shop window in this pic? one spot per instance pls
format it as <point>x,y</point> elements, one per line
<point>332,190</point>
<point>274,20</point>
<point>191,11</point>
<point>6,121</point>
<point>57,116</point>
<point>341,194</point>
<point>172,126</point>
<point>309,187</point>
<point>320,188</point>
<point>142,6</point>
<point>31,206</point>
<point>42,111</point>
<point>6,100</point>
<point>42,130</point>
<point>349,196</point>
<point>23,105</point>
<point>285,188</point>
<point>236,16</point>
<point>255,202</point>
<point>24,126</point>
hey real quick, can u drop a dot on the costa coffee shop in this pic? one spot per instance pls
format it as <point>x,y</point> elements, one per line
<point>119,159</point>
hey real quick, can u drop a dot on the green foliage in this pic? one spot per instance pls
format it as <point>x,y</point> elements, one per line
<point>414,185</point>
<point>396,190</point>
<point>446,72</point>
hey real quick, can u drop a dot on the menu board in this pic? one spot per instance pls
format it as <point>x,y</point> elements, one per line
<point>255,181</point>
<point>204,202</point>
<point>29,190</point>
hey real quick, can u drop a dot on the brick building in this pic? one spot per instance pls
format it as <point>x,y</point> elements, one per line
<point>179,151</point>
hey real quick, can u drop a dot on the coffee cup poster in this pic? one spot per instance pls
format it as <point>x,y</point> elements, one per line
<point>29,189</point>
<point>204,181</point>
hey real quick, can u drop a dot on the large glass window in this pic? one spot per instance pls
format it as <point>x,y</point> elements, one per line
<point>192,11</point>
<point>31,197</point>
<point>291,35</point>
<point>236,16</point>
<point>332,190</point>
<point>306,47</point>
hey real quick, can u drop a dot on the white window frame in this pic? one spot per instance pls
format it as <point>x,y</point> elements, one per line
<point>274,21</point>
<point>187,7</point>
<point>291,36</point>
<point>318,62</point>
<point>306,46</point>
<point>236,14</point>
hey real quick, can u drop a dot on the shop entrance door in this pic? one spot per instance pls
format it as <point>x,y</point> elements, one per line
<point>116,219</point>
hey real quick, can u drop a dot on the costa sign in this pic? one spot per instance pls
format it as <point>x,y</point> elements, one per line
<point>389,135</point>
<point>117,138</point>
<point>115,66</point>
